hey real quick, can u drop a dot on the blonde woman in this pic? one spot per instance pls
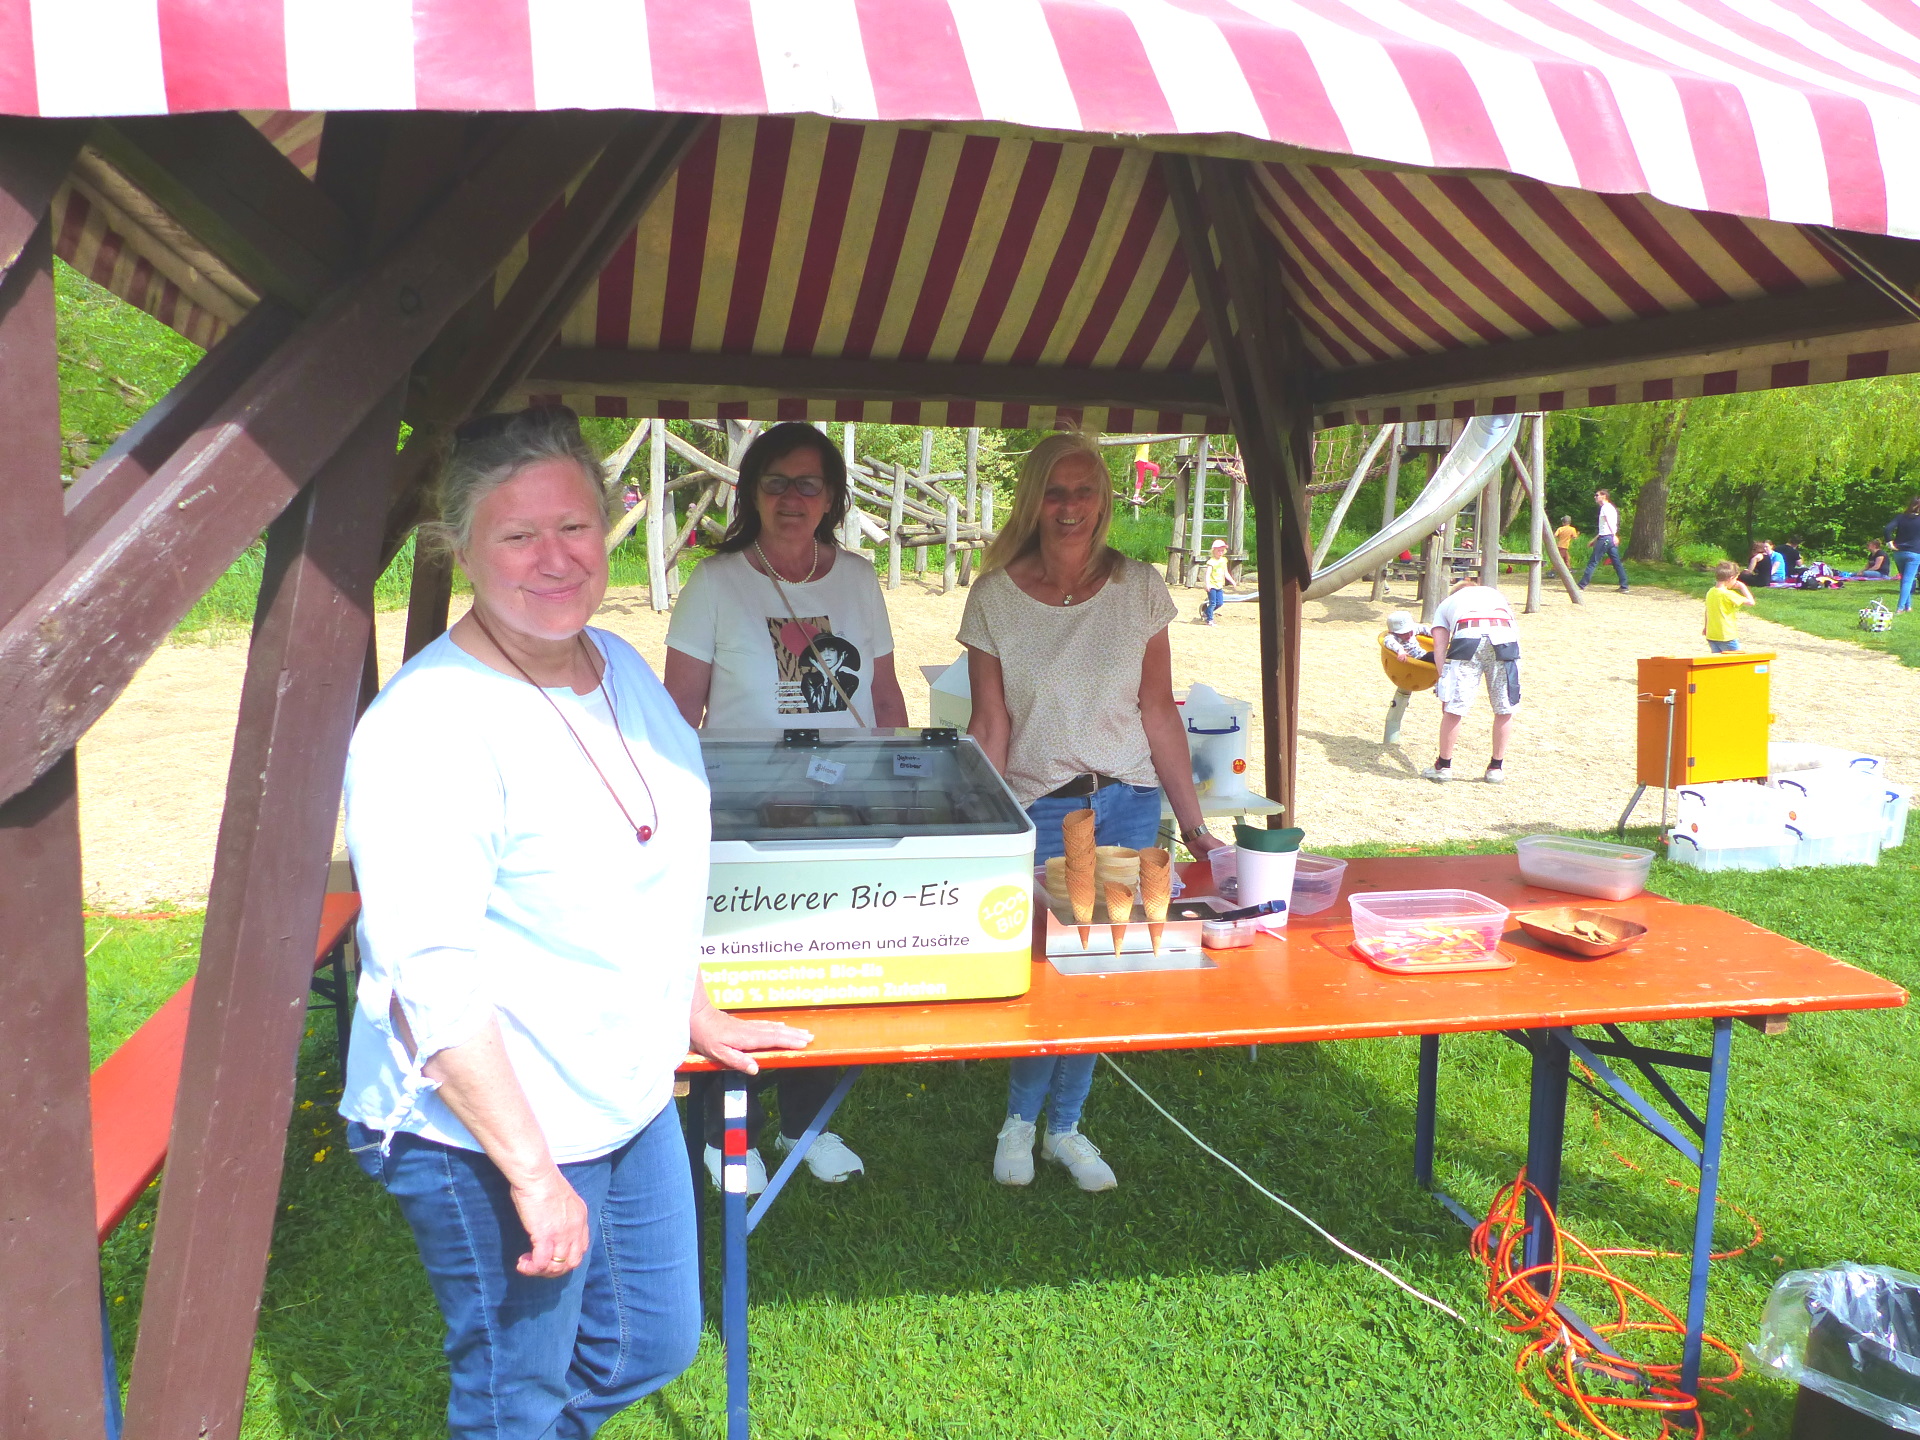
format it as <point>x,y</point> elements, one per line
<point>1072,680</point>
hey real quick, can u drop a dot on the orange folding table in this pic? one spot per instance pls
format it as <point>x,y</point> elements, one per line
<point>1694,963</point>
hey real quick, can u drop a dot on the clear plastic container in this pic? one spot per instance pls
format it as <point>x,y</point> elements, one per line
<point>1422,926</point>
<point>1858,847</point>
<point>1316,883</point>
<point>1784,757</point>
<point>1684,849</point>
<point>1896,818</point>
<point>1583,867</point>
<point>1225,861</point>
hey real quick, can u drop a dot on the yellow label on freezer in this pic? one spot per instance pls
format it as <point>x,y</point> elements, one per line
<point>799,931</point>
<point>880,980</point>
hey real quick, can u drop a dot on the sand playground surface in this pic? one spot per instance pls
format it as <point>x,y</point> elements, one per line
<point>153,772</point>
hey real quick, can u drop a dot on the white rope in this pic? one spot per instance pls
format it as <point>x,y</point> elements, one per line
<point>1298,1214</point>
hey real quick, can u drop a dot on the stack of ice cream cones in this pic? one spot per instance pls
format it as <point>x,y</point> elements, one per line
<point>1118,869</point>
<point>1156,889</point>
<point>1076,834</point>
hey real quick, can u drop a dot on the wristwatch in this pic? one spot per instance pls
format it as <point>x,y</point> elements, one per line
<point>1188,836</point>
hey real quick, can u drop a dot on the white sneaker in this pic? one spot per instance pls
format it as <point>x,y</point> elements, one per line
<point>1496,777</point>
<point>756,1170</point>
<point>1013,1156</point>
<point>1082,1159</point>
<point>1434,772</point>
<point>830,1158</point>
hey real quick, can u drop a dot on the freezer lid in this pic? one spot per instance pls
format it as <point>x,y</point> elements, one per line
<point>841,785</point>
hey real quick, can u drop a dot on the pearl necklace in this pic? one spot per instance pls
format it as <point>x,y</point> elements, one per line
<point>813,564</point>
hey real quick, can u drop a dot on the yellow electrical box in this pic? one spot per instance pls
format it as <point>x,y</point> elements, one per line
<point>1717,725</point>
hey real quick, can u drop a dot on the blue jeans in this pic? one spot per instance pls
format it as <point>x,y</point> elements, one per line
<point>1122,815</point>
<point>1609,546</point>
<point>1909,563</point>
<point>1216,597</point>
<point>552,1358</point>
<point>1721,647</point>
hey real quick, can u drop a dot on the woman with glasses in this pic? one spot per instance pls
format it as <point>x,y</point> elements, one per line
<point>780,628</point>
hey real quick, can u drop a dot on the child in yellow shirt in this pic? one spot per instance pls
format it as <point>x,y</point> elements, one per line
<point>1723,605</point>
<point>1563,539</point>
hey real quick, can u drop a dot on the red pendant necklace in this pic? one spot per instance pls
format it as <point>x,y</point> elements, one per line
<point>642,833</point>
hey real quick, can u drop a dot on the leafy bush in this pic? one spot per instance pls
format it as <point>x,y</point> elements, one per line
<point>1698,555</point>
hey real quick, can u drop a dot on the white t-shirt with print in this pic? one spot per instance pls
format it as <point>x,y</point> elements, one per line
<point>731,617</point>
<point>1479,612</point>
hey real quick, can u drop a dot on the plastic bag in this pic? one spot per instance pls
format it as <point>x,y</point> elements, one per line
<point>1852,1332</point>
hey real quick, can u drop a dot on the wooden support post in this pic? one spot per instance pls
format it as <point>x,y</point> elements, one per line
<point>670,527</point>
<point>1177,541</point>
<point>1266,377</point>
<point>1197,528</point>
<point>218,1198</point>
<point>1552,552</point>
<point>50,1341</point>
<point>429,597</point>
<point>926,469</point>
<point>1537,523</point>
<point>656,520</point>
<point>1237,521</point>
<point>1433,580</point>
<point>1487,522</point>
<point>973,499</point>
<point>1389,508</point>
<point>952,545</point>
<point>894,516</point>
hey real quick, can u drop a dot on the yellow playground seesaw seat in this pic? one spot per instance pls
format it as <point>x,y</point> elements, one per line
<point>1409,675</point>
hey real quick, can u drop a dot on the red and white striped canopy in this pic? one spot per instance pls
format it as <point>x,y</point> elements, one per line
<point>972,181</point>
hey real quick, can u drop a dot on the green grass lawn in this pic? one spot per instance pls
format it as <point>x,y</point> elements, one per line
<point>927,1301</point>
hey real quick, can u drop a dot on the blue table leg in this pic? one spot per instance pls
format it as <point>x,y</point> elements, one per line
<point>1546,1138</point>
<point>1703,1215</point>
<point>1425,1112</point>
<point>733,1210</point>
<point>110,1373</point>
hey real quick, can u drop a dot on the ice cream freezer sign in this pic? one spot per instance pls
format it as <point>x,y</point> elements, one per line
<point>867,932</point>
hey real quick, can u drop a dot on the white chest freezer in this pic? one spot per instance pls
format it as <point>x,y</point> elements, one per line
<point>863,867</point>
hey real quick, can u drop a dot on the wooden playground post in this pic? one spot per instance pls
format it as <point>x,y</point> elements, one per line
<point>953,544</point>
<point>1487,521</point>
<point>1538,525</point>
<point>1388,508</point>
<point>973,498</point>
<point>893,525</point>
<point>1433,583</point>
<point>656,522</point>
<point>926,469</point>
<point>1177,541</point>
<point>1237,521</point>
<point>1197,529</point>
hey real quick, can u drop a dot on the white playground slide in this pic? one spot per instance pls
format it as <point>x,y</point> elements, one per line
<point>1481,449</point>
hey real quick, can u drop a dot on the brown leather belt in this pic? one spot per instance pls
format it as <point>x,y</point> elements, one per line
<point>1081,785</point>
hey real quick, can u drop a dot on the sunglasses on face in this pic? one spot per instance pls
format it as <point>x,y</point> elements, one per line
<point>806,486</point>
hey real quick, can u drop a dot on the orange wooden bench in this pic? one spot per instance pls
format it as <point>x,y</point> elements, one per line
<point>132,1092</point>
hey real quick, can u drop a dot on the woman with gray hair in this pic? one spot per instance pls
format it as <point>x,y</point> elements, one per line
<point>521,790</point>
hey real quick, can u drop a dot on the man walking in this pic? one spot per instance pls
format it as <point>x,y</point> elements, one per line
<point>1606,542</point>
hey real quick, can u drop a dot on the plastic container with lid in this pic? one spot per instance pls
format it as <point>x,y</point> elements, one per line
<point>1583,867</point>
<point>1686,849</point>
<point>1428,929</point>
<point>1316,882</point>
<point>1898,801</point>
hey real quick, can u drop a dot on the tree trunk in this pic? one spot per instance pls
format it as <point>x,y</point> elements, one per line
<point>1649,538</point>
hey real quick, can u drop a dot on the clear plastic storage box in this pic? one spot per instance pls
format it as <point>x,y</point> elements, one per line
<point>1316,883</point>
<point>1583,867</point>
<point>1896,817</point>
<point>1686,849</point>
<point>1419,925</point>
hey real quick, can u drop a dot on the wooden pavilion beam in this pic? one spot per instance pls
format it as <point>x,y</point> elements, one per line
<point>219,1194</point>
<point>228,185</point>
<point>1769,320</point>
<point>1888,263</point>
<point>505,338</point>
<point>648,374</point>
<point>71,649</point>
<point>1263,374</point>
<point>50,1339</point>
<point>35,156</point>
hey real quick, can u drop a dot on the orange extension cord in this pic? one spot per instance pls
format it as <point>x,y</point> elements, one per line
<point>1565,1358</point>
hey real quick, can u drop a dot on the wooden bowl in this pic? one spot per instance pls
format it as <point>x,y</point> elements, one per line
<point>1554,927</point>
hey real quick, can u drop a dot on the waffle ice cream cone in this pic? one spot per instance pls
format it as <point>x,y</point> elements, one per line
<point>1056,881</point>
<point>1156,889</point>
<point>1076,835</point>
<point>1119,910</point>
